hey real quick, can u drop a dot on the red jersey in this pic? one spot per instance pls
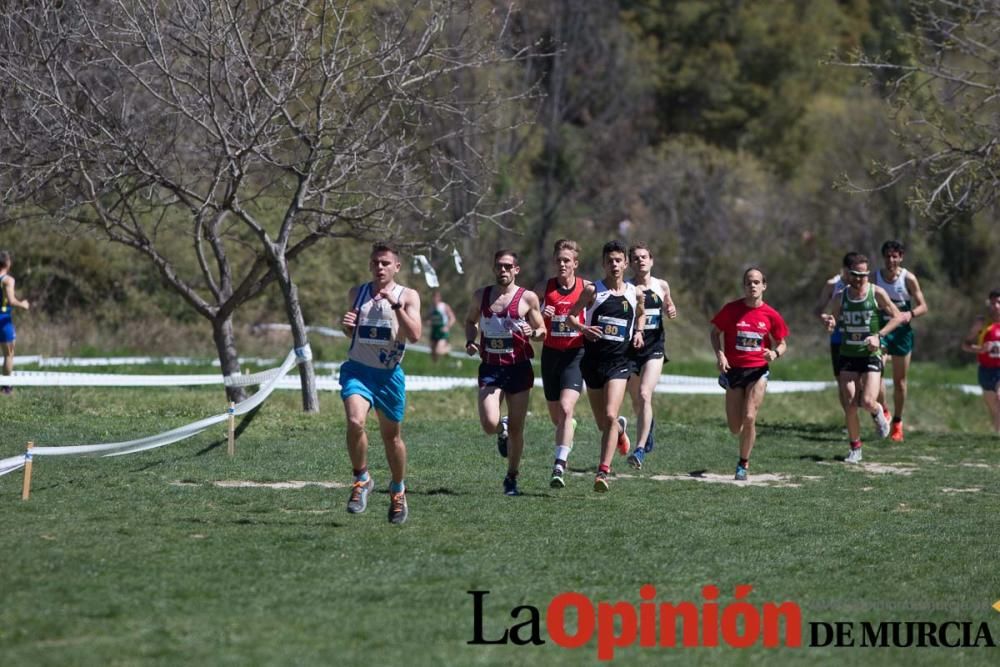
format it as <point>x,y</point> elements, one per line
<point>989,339</point>
<point>501,341</point>
<point>559,335</point>
<point>747,332</point>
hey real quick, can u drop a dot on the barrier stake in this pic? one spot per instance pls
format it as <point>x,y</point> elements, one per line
<point>26,488</point>
<point>232,429</point>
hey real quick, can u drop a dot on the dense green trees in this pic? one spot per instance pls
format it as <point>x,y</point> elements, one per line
<point>722,132</point>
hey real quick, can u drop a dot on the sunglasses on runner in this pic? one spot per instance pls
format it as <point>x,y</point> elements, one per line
<point>858,274</point>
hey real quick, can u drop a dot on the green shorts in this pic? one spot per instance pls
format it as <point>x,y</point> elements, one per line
<point>899,343</point>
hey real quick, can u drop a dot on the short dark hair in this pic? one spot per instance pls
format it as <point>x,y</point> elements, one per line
<point>763,276</point>
<point>505,251</point>
<point>994,293</point>
<point>385,246</point>
<point>613,246</point>
<point>4,258</point>
<point>892,245</point>
<point>848,258</point>
<point>638,245</point>
<point>858,259</point>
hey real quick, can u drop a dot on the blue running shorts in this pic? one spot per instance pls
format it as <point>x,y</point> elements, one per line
<point>384,389</point>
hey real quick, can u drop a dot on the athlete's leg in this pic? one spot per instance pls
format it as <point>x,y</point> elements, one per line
<point>395,449</point>
<point>754,396</point>
<point>8,358</point>
<point>517,412</point>
<point>992,400</point>
<point>614,394</point>
<point>489,409</point>
<point>735,397</point>
<point>356,408</point>
<point>870,383</point>
<point>642,396</point>
<point>849,382</point>
<point>561,414</point>
<point>900,369</point>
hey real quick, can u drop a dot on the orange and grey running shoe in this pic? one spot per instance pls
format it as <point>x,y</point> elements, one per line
<point>358,502</point>
<point>397,507</point>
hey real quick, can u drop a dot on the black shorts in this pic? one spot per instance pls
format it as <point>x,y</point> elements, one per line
<point>870,364</point>
<point>597,371</point>
<point>654,351</point>
<point>738,378</point>
<point>511,379</point>
<point>561,370</point>
<point>835,358</point>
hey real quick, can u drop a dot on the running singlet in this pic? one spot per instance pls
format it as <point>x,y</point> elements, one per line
<point>374,341</point>
<point>858,321</point>
<point>748,331</point>
<point>4,306</point>
<point>501,341</point>
<point>439,320</point>
<point>989,340</point>
<point>652,332</point>
<point>898,294</point>
<point>615,315</point>
<point>560,336</point>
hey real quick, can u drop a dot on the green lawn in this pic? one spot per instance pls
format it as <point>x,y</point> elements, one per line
<point>160,558</point>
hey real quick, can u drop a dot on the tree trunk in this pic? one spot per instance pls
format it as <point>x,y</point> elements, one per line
<point>293,311</point>
<point>225,345</point>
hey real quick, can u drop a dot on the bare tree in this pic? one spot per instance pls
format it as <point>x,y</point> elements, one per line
<point>947,102</point>
<point>221,139</point>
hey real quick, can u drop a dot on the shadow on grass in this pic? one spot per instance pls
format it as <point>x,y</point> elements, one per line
<point>810,432</point>
<point>283,522</point>
<point>440,491</point>
<point>238,431</point>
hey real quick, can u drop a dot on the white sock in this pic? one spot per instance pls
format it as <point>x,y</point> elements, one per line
<point>562,452</point>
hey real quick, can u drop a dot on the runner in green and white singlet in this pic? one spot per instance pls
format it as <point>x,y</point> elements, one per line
<point>856,313</point>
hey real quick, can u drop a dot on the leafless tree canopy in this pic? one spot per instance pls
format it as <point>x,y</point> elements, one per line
<point>248,131</point>
<point>948,103</point>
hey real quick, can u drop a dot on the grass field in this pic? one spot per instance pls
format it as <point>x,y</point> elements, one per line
<point>185,556</point>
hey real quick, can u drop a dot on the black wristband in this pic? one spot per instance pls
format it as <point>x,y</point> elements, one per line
<point>397,305</point>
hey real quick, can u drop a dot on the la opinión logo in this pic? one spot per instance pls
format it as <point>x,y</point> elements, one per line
<point>622,623</point>
<point>572,620</point>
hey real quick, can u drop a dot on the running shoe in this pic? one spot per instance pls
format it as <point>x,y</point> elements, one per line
<point>650,442</point>
<point>854,456</point>
<point>881,423</point>
<point>398,511</point>
<point>624,444</point>
<point>741,473</point>
<point>557,481</point>
<point>601,482</point>
<point>510,486</point>
<point>635,458</point>
<point>896,432</point>
<point>358,502</point>
<point>503,436</point>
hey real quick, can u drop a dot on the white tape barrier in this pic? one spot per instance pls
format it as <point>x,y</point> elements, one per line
<point>668,384</point>
<point>151,442</point>
<point>337,333</point>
